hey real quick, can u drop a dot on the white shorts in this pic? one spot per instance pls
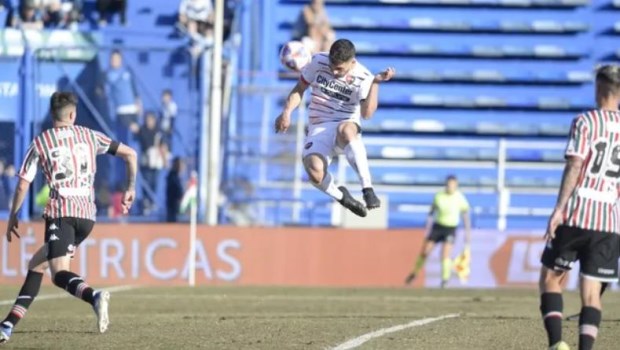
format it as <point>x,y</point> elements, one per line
<point>321,140</point>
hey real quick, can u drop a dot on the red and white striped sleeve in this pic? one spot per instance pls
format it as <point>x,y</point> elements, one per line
<point>579,139</point>
<point>103,142</point>
<point>30,165</point>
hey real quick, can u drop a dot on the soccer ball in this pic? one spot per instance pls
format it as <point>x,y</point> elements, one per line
<point>294,55</point>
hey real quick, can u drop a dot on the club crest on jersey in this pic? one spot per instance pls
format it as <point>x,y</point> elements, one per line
<point>308,145</point>
<point>349,79</point>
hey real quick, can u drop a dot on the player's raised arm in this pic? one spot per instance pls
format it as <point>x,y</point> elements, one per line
<point>128,154</point>
<point>369,104</point>
<point>292,101</point>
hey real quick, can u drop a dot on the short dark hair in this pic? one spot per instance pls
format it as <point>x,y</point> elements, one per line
<point>342,50</point>
<point>116,52</point>
<point>607,81</point>
<point>167,92</point>
<point>451,178</point>
<point>59,101</point>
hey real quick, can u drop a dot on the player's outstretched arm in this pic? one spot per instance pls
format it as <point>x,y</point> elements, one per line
<point>370,104</point>
<point>128,154</point>
<point>283,122</point>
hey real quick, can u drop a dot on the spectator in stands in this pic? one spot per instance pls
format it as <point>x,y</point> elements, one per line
<point>123,94</point>
<point>196,19</point>
<point>152,159</point>
<point>71,13</point>
<point>174,190</point>
<point>30,16</point>
<point>107,8</point>
<point>168,115</point>
<point>52,15</point>
<point>121,91</point>
<point>313,28</point>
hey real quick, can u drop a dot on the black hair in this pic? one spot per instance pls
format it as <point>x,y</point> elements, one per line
<point>342,50</point>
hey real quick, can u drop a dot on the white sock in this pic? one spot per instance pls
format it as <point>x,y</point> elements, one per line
<point>356,155</point>
<point>329,187</point>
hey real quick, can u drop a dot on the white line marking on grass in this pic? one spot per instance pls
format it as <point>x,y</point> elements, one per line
<point>355,342</point>
<point>62,295</point>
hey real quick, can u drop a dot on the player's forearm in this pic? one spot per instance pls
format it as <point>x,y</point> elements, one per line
<point>370,104</point>
<point>569,181</point>
<point>18,198</point>
<point>293,101</point>
<point>132,170</point>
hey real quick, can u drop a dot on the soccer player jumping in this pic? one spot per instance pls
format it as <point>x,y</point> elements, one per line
<point>343,90</point>
<point>583,224</point>
<point>67,155</point>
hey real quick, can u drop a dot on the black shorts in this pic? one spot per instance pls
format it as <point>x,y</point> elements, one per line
<point>597,252</point>
<point>64,235</point>
<point>440,233</point>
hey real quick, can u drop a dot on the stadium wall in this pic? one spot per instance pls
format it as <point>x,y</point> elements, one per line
<point>118,254</point>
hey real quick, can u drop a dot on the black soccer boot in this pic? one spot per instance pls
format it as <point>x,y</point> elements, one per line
<point>351,203</point>
<point>371,199</point>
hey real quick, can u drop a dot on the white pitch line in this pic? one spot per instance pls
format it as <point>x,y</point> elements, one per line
<point>63,295</point>
<point>355,342</point>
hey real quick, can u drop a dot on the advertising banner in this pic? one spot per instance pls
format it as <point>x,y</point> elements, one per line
<point>499,260</point>
<point>157,254</point>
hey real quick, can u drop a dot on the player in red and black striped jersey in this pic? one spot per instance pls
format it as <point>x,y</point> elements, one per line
<point>584,223</point>
<point>66,154</point>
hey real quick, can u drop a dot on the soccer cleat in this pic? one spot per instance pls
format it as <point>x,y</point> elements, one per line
<point>559,346</point>
<point>410,278</point>
<point>351,203</point>
<point>102,300</point>
<point>371,199</point>
<point>5,333</point>
<point>443,284</point>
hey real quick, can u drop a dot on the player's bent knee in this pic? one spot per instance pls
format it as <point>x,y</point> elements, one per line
<point>37,267</point>
<point>315,175</point>
<point>591,292</point>
<point>315,168</point>
<point>59,264</point>
<point>550,280</point>
<point>347,132</point>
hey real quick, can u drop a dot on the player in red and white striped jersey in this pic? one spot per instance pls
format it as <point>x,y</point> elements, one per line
<point>67,155</point>
<point>585,221</point>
